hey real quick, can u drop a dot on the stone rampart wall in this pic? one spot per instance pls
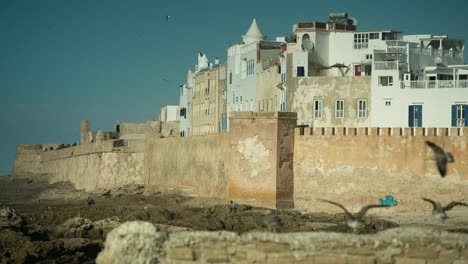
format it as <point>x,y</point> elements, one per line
<point>360,165</point>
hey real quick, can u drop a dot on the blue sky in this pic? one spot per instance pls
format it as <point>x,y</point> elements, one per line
<point>62,61</point>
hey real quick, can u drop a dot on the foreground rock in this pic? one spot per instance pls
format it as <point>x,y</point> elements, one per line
<point>140,242</point>
<point>78,240</point>
<point>132,242</point>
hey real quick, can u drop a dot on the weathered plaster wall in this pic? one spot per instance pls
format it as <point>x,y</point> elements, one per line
<point>358,169</point>
<point>302,91</point>
<point>102,164</point>
<point>194,164</point>
<point>268,94</point>
<point>254,175</point>
<point>97,169</point>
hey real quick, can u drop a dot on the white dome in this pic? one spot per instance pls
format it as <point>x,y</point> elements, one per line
<point>203,62</point>
<point>254,34</point>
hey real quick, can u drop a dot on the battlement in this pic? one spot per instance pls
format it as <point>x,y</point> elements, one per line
<point>380,131</point>
<point>84,149</point>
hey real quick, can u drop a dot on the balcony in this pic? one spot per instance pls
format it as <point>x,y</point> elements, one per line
<point>389,65</point>
<point>432,84</point>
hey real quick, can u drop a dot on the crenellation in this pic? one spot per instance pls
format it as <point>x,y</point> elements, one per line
<point>381,131</point>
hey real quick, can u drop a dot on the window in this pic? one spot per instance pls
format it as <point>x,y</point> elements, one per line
<point>415,115</point>
<point>300,71</point>
<point>386,81</point>
<point>183,112</point>
<point>361,40</point>
<point>250,67</point>
<point>318,108</point>
<point>374,35</point>
<point>339,108</point>
<point>459,115</point>
<point>388,103</point>
<point>368,56</point>
<point>362,108</point>
<point>244,68</point>
<point>230,77</point>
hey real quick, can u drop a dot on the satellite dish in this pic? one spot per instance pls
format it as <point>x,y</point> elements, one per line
<point>437,60</point>
<point>307,44</point>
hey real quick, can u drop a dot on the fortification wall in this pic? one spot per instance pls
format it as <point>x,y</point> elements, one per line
<point>94,171</point>
<point>28,160</point>
<point>196,165</point>
<point>102,164</point>
<point>257,172</point>
<point>360,165</point>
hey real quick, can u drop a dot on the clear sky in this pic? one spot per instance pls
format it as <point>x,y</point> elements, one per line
<point>62,61</point>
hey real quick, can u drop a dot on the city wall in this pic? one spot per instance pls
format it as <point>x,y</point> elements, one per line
<point>98,165</point>
<point>195,165</point>
<point>358,166</point>
<point>265,161</point>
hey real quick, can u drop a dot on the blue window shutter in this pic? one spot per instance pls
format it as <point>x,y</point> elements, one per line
<point>465,110</point>
<point>411,116</point>
<point>454,115</point>
<point>420,109</point>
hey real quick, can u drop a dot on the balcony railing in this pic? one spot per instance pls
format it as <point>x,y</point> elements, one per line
<point>429,84</point>
<point>390,65</point>
<point>387,65</point>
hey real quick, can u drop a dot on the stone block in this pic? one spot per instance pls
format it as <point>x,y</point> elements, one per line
<point>409,261</point>
<point>464,253</point>
<point>280,258</point>
<point>254,256</point>
<point>215,256</point>
<point>361,260</point>
<point>181,253</point>
<point>446,256</point>
<point>422,252</point>
<point>363,251</point>
<point>338,259</point>
<point>272,247</point>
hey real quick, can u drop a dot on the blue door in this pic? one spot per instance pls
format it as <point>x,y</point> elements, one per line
<point>415,115</point>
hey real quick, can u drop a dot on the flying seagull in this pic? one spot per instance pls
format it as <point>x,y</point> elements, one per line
<point>355,220</point>
<point>439,212</point>
<point>441,157</point>
<point>167,18</point>
<point>272,220</point>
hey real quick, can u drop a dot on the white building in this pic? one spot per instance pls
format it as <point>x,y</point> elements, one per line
<point>241,68</point>
<point>416,80</point>
<point>169,113</point>
<point>420,81</point>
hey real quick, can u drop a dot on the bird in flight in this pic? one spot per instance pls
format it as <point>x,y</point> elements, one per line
<point>441,157</point>
<point>439,212</point>
<point>167,18</point>
<point>355,220</point>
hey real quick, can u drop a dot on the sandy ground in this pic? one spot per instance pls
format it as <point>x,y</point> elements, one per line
<point>44,221</point>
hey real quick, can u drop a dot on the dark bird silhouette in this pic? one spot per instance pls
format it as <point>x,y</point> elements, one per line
<point>90,201</point>
<point>441,157</point>
<point>354,220</point>
<point>439,212</point>
<point>272,220</point>
<point>167,18</point>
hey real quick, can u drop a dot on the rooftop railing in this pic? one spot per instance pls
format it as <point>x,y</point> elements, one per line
<point>431,84</point>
